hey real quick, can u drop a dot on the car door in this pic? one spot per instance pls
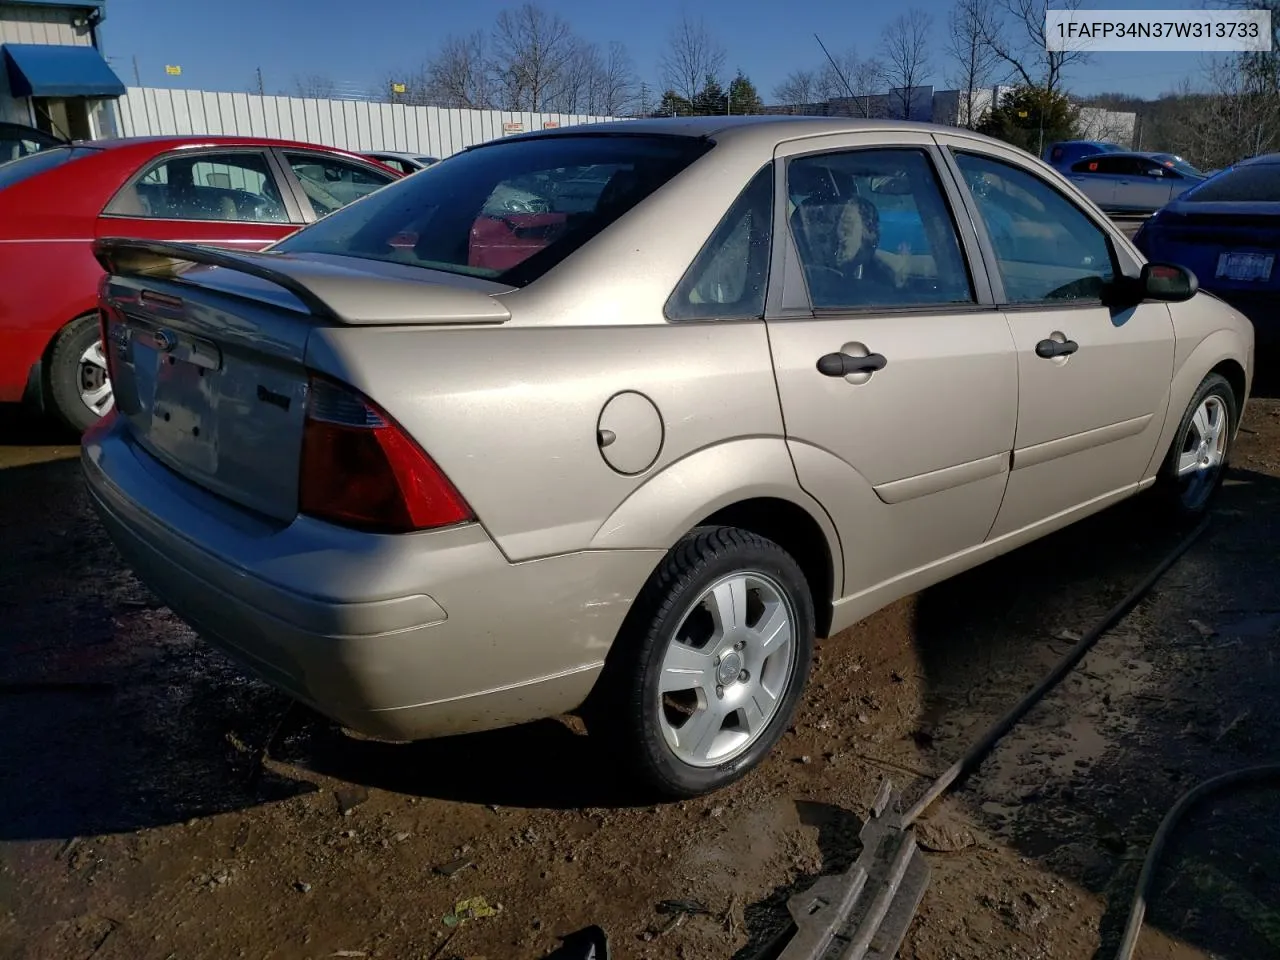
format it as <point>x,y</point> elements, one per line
<point>896,372</point>
<point>223,197</point>
<point>1146,187</point>
<point>1095,176</point>
<point>1093,379</point>
<point>323,182</point>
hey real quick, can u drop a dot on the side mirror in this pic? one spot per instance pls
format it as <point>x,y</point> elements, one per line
<point>1168,282</point>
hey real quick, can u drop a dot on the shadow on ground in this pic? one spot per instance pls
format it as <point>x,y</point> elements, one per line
<point>110,719</point>
<point>1181,690</point>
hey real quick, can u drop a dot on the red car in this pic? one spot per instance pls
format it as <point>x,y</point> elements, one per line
<point>237,192</point>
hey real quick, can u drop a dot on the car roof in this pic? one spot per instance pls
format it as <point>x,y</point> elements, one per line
<point>754,130</point>
<point>1266,158</point>
<point>170,142</point>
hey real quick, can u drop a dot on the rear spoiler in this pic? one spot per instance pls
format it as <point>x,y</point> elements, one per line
<point>331,293</point>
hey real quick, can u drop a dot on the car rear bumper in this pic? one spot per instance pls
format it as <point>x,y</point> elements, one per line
<point>402,637</point>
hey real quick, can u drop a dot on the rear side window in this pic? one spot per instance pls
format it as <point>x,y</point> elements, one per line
<point>236,186</point>
<point>330,183</point>
<point>727,279</point>
<point>508,211</point>
<point>1255,182</point>
<point>24,167</point>
<point>1047,249</point>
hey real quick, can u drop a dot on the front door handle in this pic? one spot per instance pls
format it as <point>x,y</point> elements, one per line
<point>842,364</point>
<point>1048,349</point>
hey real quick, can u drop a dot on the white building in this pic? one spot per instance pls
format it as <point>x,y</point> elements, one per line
<point>954,108</point>
<point>52,73</point>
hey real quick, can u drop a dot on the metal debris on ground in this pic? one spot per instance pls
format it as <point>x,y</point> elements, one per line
<point>454,866</point>
<point>691,907</point>
<point>589,943</point>
<point>863,913</point>
<point>349,798</point>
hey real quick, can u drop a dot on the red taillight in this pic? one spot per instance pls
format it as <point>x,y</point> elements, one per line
<point>360,469</point>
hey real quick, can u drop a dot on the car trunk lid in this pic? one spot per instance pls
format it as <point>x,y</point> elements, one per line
<point>207,351</point>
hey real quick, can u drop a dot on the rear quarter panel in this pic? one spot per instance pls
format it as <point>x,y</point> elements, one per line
<point>48,275</point>
<point>44,284</point>
<point>510,414</point>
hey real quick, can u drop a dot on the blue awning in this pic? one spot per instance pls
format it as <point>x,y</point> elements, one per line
<point>40,70</point>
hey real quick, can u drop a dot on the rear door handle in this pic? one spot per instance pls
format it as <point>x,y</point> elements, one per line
<point>843,364</point>
<point>1048,349</point>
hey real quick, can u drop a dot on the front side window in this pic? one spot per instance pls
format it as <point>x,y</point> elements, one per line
<point>204,186</point>
<point>1046,248</point>
<point>507,211</point>
<point>330,183</point>
<point>873,229</point>
<point>728,277</point>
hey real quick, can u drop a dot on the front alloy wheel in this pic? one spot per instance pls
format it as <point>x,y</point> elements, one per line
<point>1195,466</point>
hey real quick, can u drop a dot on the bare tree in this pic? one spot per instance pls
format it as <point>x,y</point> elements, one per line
<point>533,51</point>
<point>1016,33</point>
<point>458,76</point>
<point>799,88</point>
<point>973,59</point>
<point>905,45</point>
<point>314,85</point>
<point>616,90</point>
<point>692,55</point>
<point>1238,117</point>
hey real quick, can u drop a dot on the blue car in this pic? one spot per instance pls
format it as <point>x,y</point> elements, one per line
<point>1226,230</point>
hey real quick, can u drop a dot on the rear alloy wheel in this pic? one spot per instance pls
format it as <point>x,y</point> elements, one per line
<point>1196,465</point>
<point>711,663</point>
<point>78,382</point>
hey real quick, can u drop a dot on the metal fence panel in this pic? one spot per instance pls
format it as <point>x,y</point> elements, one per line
<point>348,124</point>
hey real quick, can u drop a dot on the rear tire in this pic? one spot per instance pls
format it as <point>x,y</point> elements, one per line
<point>78,384</point>
<point>1194,468</point>
<point>710,664</point>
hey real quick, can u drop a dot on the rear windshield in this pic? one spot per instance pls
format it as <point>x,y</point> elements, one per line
<point>1258,182</point>
<point>509,211</point>
<point>18,170</point>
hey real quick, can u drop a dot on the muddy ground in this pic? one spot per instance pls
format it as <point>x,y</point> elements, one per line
<point>136,822</point>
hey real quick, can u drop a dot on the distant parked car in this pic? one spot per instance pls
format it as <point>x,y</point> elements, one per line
<point>637,464</point>
<point>406,163</point>
<point>1063,154</point>
<point>19,140</point>
<point>1132,182</point>
<point>227,191</point>
<point>1227,232</point>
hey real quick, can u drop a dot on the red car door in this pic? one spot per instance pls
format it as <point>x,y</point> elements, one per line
<point>227,197</point>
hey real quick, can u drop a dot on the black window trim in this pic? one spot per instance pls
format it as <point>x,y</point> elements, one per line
<point>273,168</point>
<point>309,212</point>
<point>792,301</point>
<point>702,250</point>
<point>988,248</point>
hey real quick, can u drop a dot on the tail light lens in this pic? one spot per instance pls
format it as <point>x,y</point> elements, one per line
<point>361,470</point>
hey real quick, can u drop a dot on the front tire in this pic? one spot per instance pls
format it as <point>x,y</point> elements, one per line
<point>1195,466</point>
<point>78,384</point>
<point>710,664</point>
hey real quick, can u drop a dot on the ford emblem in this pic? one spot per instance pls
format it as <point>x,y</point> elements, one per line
<point>166,340</point>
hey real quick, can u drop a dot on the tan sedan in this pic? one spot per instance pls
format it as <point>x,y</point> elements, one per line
<point>441,462</point>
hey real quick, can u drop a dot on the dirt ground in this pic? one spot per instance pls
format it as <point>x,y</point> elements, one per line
<point>136,821</point>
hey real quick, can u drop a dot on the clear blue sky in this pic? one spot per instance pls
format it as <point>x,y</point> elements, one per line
<point>220,43</point>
